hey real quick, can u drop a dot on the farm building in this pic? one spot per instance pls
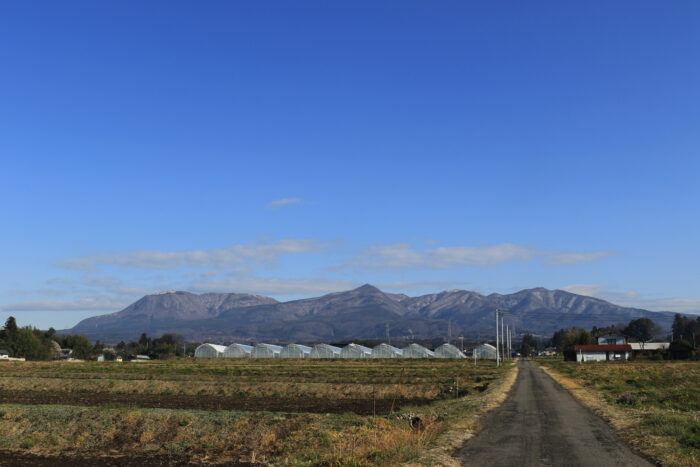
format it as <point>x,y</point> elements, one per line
<point>448,351</point>
<point>266,351</point>
<point>386,351</point>
<point>207,351</point>
<point>325,351</point>
<point>355,351</point>
<point>238,351</point>
<point>601,353</point>
<point>417,351</point>
<point>295,351</point>
<point>486,351</point>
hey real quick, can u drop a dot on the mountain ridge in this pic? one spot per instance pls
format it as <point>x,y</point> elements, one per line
<point>365,312</point>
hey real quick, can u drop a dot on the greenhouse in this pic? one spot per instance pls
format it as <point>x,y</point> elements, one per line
<point>355,351</point>
<point>266,351</point>
<point>417,351</point>
<point>209,351</point>
<point>295,351</point>
<point>485,351</point>
<point>325,351</point>
<point>238,351</point>
<point>386,351</point>
<point>448,351</point>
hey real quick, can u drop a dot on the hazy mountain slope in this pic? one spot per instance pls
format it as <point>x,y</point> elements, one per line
<point>365,312</point>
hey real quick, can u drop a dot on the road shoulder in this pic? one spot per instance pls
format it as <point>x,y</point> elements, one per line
<point>622,421</point>
<point>467,427</point>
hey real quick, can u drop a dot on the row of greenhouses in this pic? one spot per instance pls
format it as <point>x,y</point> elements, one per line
<point>324,351</point>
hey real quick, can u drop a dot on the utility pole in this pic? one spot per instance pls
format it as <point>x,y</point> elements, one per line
<point>503,342</point>
<point>497,351</point>
<point>508,340</point>
<point>461,339</point>
<point>388,337</point>
<point>449,330</point>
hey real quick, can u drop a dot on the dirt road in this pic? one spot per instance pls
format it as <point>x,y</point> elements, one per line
<point>541,424</point>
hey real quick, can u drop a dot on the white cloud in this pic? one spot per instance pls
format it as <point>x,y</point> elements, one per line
<point>589,290</point>
<point>418,285</point>
<point>274,286</point>
<point>633,299</point>
<point>99,303</point>
<point>404,255</point>
<point>558,258</point>
<point>250,253</point>
<point>279,203</point>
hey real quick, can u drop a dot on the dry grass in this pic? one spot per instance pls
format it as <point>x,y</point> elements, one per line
<point>654,405</point>
<point>254,378</point>
<point>465,420</point>
<point>258,437</point>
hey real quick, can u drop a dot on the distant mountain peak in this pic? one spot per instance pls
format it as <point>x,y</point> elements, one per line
<point>365,312</point>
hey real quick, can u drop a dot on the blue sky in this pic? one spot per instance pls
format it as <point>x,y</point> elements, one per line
<point>297,148</point>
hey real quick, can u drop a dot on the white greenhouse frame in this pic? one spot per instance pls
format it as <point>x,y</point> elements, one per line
<point>485,351</point>
<point>238,351</point>
<point>266,351</point>
<point>325,351</point>
<point>355,351</point>
<point>417,351</point>
<point>448,351</point>
<point>209,351</point>
<point>386,351</point>
<point>295,351</point>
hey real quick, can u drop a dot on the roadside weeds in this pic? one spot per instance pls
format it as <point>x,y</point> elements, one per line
<point>651,431</point>
<point>466,422</point>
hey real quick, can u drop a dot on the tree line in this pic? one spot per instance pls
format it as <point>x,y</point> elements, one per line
<point>684,338</point>
<point>34,344</point>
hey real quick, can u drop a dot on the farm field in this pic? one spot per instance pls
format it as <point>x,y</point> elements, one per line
<point>339,412</point>
<point>655,405</point>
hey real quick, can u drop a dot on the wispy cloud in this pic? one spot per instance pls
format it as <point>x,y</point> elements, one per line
<point>221,258</point>
<point>634,299</point>
<point>437,286</point>
<point>589,290</point>
<point>560,258</point>
<point>274,286</point>
<point>404,255</point>
<point>98,303</point>
<point>279,203</point>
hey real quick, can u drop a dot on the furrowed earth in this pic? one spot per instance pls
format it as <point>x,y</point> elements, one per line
<point>236,412</point>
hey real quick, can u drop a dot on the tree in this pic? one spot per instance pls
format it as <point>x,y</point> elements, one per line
<point>29,345</point>
<point>573,337</point>
<point>81,346</point>
<point>529,345</point>
<point>642,329</point>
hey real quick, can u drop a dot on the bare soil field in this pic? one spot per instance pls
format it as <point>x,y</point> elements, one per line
<point>250,404</point>
<point>237,412</point>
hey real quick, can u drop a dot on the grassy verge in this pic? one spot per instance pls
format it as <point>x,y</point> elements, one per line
<point>408,436</point>
<point>655,405</point>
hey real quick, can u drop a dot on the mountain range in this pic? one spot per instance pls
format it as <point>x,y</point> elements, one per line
<point>362,313</point>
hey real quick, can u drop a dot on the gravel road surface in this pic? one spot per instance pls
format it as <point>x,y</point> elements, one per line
<point>541,424</point>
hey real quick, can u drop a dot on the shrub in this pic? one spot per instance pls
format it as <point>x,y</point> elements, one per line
<point>692,437</point>
<point>626,398</point>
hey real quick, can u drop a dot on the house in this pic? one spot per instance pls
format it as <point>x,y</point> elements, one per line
<point>602,353</point>
<point>649,346</point>
<point>611,339</point>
